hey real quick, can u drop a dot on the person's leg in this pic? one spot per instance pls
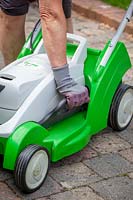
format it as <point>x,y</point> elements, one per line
<point>12,34</point>
<point>54,30</point>
<point>54,34</point>
<point>69,25</point>
<point>67,7</point>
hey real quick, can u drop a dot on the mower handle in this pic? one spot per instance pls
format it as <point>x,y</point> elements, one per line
<point>80,53</point>
<point>117,35</point>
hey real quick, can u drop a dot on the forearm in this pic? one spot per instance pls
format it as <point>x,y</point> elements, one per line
<point>54,31</point>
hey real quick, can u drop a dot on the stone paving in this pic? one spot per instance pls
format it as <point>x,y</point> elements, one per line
<point>103,170</point>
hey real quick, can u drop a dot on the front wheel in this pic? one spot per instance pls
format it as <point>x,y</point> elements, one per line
<point>121,111</point>
<point>31,168</point>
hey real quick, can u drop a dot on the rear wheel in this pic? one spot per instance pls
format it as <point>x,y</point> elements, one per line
<point>31,168</point>
<point>121,111</point>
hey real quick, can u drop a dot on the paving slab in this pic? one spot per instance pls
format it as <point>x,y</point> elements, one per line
<point>118,188</point>
<point>130,175</point>
<point>109,165</point>
<point>49,187</point>
<point>83,193</point>
<point>75,175</point>
<point>126,135</point>
<point>128,154</point>
<point>108,142</point>
<point>6,193</point>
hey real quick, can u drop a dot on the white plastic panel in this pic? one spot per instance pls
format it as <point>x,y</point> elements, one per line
<point>5,115</point>
<point>81,52</point>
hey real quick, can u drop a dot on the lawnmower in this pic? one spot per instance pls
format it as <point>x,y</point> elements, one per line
<point>36,126</point>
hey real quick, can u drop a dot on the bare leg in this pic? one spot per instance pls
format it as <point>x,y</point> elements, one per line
<point>54,34</point>
<point>54,31</point>
<point>69,25</point>
<point>12,36</point>
<point>67,7</point>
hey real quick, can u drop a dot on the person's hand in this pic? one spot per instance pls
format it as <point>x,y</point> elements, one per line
<point>75,94</point>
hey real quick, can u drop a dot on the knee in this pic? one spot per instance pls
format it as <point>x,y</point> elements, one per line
<point>48,14</point>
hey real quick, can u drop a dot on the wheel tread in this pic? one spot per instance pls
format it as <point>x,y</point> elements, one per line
<point>112,121</point>
<point>21,165</point>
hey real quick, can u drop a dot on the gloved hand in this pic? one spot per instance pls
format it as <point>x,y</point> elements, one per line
<point>76,95</point>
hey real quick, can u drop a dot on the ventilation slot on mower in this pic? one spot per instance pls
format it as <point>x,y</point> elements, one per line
<point>7,77</point>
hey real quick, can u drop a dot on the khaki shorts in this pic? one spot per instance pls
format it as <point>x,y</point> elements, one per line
<point>20,7</point>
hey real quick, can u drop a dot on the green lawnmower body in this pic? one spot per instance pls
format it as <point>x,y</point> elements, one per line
<point>70,135</point>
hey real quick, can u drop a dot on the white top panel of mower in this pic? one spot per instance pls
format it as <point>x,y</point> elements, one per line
<point>20,78</point>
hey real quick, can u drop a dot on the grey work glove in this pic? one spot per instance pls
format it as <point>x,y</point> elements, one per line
<point>76,95</point>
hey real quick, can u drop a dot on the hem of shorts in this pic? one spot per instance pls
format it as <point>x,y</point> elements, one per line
<point>7,12</point>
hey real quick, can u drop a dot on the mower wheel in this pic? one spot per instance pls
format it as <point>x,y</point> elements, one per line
<point>121,111</point>
<point>31,168</point>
